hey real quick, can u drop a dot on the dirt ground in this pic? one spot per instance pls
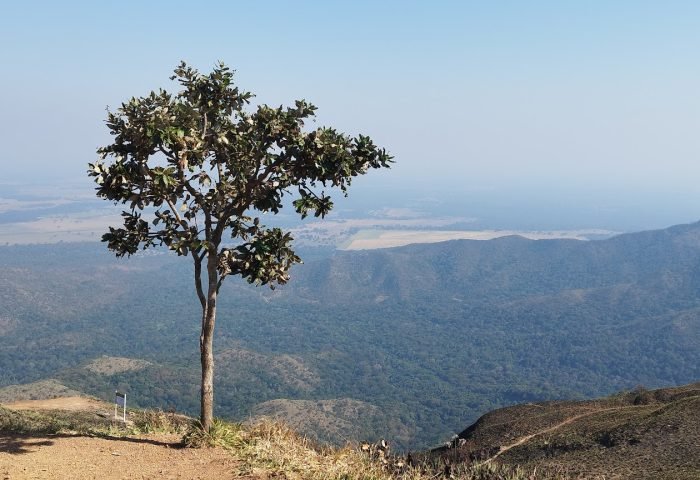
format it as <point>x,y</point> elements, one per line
<point>79,457</point>
<point>82,458</point>
<point>65,403</point>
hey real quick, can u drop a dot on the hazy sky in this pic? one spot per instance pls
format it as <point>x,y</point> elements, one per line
<point>595,96</point>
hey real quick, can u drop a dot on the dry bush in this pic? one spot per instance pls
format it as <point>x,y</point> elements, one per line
<point>273,448</point>
<point>158,421</point>
<point>221,434</point>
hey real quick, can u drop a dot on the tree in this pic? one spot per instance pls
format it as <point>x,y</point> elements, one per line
<point>196,170</point>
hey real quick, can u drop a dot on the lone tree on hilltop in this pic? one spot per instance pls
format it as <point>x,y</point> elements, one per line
<point>196,170</point>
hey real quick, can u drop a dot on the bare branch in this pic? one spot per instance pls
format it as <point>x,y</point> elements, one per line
<point>182,222</point>
<point>220,172</point>
<point>198,279</point>
<point>170,155</point>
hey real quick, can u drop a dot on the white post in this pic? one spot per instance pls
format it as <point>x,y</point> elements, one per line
<point>120,399</point>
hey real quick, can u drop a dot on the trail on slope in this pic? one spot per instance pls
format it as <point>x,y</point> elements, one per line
<point>569,420</point>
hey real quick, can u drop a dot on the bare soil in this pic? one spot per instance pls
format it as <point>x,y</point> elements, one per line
<point>65,403</point>
<point>80,457</point>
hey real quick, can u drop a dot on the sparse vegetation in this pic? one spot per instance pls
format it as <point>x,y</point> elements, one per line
<point>91,423</point>
<point>40,390</point>
<point>272,448</point>
<point>52,422</point>
<point>158,421</point>
<point>221,434</point>
<point>642,434</point>
<point>266,449</point>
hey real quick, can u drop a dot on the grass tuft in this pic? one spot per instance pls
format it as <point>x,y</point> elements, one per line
<point>222,434</point>
<point>49,422</point>
<point>158,421</point>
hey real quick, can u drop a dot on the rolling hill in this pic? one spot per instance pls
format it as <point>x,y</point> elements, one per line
<point>428,337</point>
<point>643,434</point>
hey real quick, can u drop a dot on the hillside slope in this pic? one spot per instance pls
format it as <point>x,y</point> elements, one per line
<point>637,435</point>
<point>644,434</point>
<point>47,442</point>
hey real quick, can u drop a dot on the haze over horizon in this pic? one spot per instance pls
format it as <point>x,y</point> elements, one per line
<point>540,114</point>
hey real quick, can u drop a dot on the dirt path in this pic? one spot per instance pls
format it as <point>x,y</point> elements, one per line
<point>82,458</point>
<point>569,420</point>
<point>77,457</point>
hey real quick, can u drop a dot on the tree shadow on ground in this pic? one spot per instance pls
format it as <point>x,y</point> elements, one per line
<point>139,440</point>
<point>21,443</point>
<point>15,443</point>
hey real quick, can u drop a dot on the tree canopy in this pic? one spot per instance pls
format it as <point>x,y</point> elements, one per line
<point>197,170</point>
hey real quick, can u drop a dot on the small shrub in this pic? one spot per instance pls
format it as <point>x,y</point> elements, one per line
<point>222,434</point>
<point>158,421</point>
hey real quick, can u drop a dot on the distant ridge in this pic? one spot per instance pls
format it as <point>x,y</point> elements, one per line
<point>512,264</point>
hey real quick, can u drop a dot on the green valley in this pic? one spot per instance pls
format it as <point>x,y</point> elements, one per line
<point>409,343</point>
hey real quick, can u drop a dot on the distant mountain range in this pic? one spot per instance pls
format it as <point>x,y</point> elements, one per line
<point>410,343</point>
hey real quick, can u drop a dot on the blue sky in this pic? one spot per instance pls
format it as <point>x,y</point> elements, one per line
<point>596,97</point>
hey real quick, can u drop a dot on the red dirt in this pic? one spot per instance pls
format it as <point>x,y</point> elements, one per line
<point>82,458</point>
<point>64,403</point>
<point>78,457</point>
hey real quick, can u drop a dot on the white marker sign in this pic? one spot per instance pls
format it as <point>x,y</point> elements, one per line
<point>120,401</point>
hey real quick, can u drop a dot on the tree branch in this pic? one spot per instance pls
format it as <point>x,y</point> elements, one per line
<point>219,171</point>
<point>198,279</point>
<point>204,127</point>
<point>182,223</point>
<point>170,155</point>
<point>183,181</point>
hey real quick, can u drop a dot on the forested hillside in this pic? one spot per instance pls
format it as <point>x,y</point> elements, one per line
<point>410,343</point>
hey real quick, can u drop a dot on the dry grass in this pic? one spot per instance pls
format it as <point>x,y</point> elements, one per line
<point>267,449</point>
<point>643,434</point>
<point>221,434</point>
<point>51,422</point>
<point>91,423</point>
<point>158,421</point>
<point>273,449</point>
<point>40,390</point>
<point>330,421</point>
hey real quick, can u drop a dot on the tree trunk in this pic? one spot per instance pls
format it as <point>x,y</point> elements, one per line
<point>206,346</point>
